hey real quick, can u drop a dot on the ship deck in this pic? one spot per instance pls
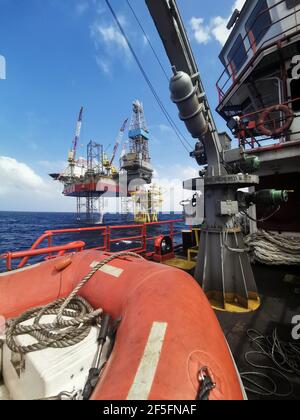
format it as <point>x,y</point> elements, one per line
<point>280,303</point>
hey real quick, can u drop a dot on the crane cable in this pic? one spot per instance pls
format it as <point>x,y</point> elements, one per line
<point>161,105</point>
<point>157,58</point>
<point>285,361</point>
<point>148,40</point>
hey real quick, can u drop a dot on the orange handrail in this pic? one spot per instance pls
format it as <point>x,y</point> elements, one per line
<point>73,246</point>
<point>50,233</point>
<point>105,231</point>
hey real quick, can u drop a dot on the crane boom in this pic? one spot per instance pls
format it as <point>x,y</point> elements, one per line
<point>118,141</point>
<point>170,26</point>
<point>73,152</point>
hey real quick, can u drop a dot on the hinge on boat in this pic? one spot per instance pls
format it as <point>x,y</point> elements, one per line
<point>18,362</point>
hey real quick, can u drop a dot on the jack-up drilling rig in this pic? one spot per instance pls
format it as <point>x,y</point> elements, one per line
<point>223,265</point>
<point>90,179</point>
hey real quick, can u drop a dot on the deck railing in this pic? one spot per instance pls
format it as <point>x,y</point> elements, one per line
<point>107,239</point>
<point>59,251</point>
<point>250,137</point>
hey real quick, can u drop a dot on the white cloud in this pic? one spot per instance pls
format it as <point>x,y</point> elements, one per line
<point>165,128</point>
<point>23,189</point>
<point>171,182</point>
<point>81,7</point>
<point>18,176</point>
<point>178,170</point>
<point>145,40</point>
<point>201,32</point>
<point>104,65</point>
<point>110,45</point>
<point>215,29</point>
<point>188,172</point>
<point>2,68</point>
<point>219,29</point>
<point>52,166</point>
<point>109,36</point>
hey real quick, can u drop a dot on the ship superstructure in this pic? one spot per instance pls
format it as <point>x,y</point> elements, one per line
<point>259,97</point>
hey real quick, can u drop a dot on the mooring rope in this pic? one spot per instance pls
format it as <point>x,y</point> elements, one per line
<point>274,249</point>
<point>74,318</point>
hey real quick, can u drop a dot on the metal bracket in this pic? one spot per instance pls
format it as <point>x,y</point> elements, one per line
<point>18,362</point>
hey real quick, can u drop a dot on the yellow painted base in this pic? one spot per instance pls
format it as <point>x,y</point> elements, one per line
<point>235,304</point>
<point>145,218</point>
<point>253,305</point>
<point>181,264</point>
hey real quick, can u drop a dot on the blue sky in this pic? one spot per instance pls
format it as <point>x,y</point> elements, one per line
<point>64,54</point>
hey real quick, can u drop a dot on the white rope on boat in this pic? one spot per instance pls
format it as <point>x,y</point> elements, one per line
<point>74,318</point>
<point>274,249</point>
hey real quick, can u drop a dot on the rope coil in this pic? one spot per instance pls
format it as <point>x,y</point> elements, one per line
<point>274,249</point>
<point>63,332</point>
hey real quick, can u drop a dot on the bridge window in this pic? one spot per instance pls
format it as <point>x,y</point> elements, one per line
<point>292,3</point>
<point>295,89</point>
<point>237,55</point>
<point>259,23</point>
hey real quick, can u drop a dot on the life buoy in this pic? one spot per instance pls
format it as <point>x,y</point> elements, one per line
<point>168,331</point>
<point>289,117</point>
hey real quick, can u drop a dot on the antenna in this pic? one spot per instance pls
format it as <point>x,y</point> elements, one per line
<point>233,19</point>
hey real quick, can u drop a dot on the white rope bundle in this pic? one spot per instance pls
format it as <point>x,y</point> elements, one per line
<point>274,249</point>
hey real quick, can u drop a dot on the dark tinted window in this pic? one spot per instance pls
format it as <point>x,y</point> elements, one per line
<point>295,90</point>
<point>292,3</point>
<point>237,55</point>
<point>259,22</point>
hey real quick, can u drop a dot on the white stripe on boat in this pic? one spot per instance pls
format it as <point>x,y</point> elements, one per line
<point>109,269</point>
<point>144,378</point>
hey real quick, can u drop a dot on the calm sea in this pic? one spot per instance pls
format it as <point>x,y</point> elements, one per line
<point>18,231</point>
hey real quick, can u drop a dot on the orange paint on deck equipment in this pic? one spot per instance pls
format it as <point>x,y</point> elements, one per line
<point>143,294</point>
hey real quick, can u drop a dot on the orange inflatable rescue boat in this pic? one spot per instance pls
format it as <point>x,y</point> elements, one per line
<point>168,343</point>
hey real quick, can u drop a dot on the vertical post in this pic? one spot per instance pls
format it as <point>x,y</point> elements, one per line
<point>50,244</point>
<point>172,231</point>
<point>144,233</point>
<point>108,239</point>
<point>253,215</point>
<point>8,261</point>
<point>105,244</point>
<point>78,215</point>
